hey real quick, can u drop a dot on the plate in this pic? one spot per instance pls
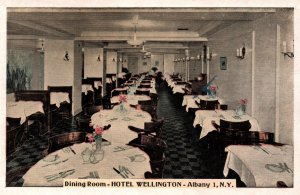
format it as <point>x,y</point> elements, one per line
<point>51,158</point>
<point>275,168</point>
<point>127,119</point>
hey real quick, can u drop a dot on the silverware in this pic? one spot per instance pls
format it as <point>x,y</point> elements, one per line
<point>119,172</point>
<point>72,150</point>
<point>263,150</point>
<point>127,170</point>
<point>121,169</point>
<point>96,174</point>
<point>56,163</point>
<point>62,174</point>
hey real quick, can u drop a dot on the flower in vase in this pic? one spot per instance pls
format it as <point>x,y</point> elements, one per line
<point>97,134</point>
<point>122,98</point>
<point>243,101</point>
<point>213,88</point>
<point>90,138</point>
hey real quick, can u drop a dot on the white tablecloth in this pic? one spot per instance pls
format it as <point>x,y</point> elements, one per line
<point>23,109</point>
<point>108,80</point>
<point>205,117</point>
<point>86,87</point>
<point>119,132</point>
<point>152,89</point>
<point>131,99</point>
<point>130,157</point>
<point>97,84</point>
<point>59,97</point>
<point>189,100</point>
<point>259,167</point>
<point>178,88</point>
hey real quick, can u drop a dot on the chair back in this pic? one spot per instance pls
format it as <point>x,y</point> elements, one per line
<point>146,82</point>
<point>90,110</point>
<point>106,103</point>
<point>66,139</point>
<point>154,98</point>
<point>155,148</point>
<point>208,105</point>
<point>150,109</point>
<point>142,92</point>
<point>229,131</point>
<point>145,102</point>
<point>255,137</point>
<point>118,92</point>
<point>155,127</point>
<point>145,85</point>
<point>235,126</point>
<point>180,83</point>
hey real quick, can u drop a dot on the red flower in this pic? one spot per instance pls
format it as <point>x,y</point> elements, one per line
<point>122,98</point>
<point>243,101</point>
<point>90,138</point>
<point>99,130</point>
<point>213,88</point>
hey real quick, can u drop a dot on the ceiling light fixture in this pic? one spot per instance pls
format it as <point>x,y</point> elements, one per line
<point>135,42</point>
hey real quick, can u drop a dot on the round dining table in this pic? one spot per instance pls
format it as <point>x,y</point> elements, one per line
<point>119,121</point>
<point>131,99</point>
<point>119,162</point>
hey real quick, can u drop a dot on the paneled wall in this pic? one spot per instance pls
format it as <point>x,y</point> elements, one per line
<point>158,62</point>
<point>77,77</point>
<point>144,64</point>
<point>180,67</point>
<point>111,65</point>
<point>93,67</point>
<point>255,76</point>
<point>59,72</point>
<point>169,63</point>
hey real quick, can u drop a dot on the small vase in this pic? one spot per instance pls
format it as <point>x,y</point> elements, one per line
<point>122,107</point>
<point>212,94</point>
<point>243,108</point>
<point>98,143</point>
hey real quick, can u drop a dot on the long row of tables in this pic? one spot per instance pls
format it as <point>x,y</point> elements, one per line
<point>260,165</point>
<point>120,161</point>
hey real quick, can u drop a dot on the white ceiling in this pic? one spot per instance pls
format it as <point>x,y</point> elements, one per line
<point>156,26</point>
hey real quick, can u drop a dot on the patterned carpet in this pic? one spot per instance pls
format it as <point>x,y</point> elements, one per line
<point>186,157</point>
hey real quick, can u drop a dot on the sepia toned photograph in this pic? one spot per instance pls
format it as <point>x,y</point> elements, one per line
<point>156,95</point>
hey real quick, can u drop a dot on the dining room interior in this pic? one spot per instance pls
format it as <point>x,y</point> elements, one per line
<point>143,93</point>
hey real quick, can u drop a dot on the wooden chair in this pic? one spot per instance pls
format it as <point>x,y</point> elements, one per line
<point>150,109</point>
<point>207,105</point>
<point>97,90</point>
<point>106,103</point>
<point>83,121</point>
<point>229,131</point>
<point>142,92</point>
<point>60,141</point>
<point>155,148</point>
<point>147,82</point>
<point>154,128</point>
<point>145,86</point>
<point>145,102</point>
<point>255,137</point>
<point>154,98</point>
